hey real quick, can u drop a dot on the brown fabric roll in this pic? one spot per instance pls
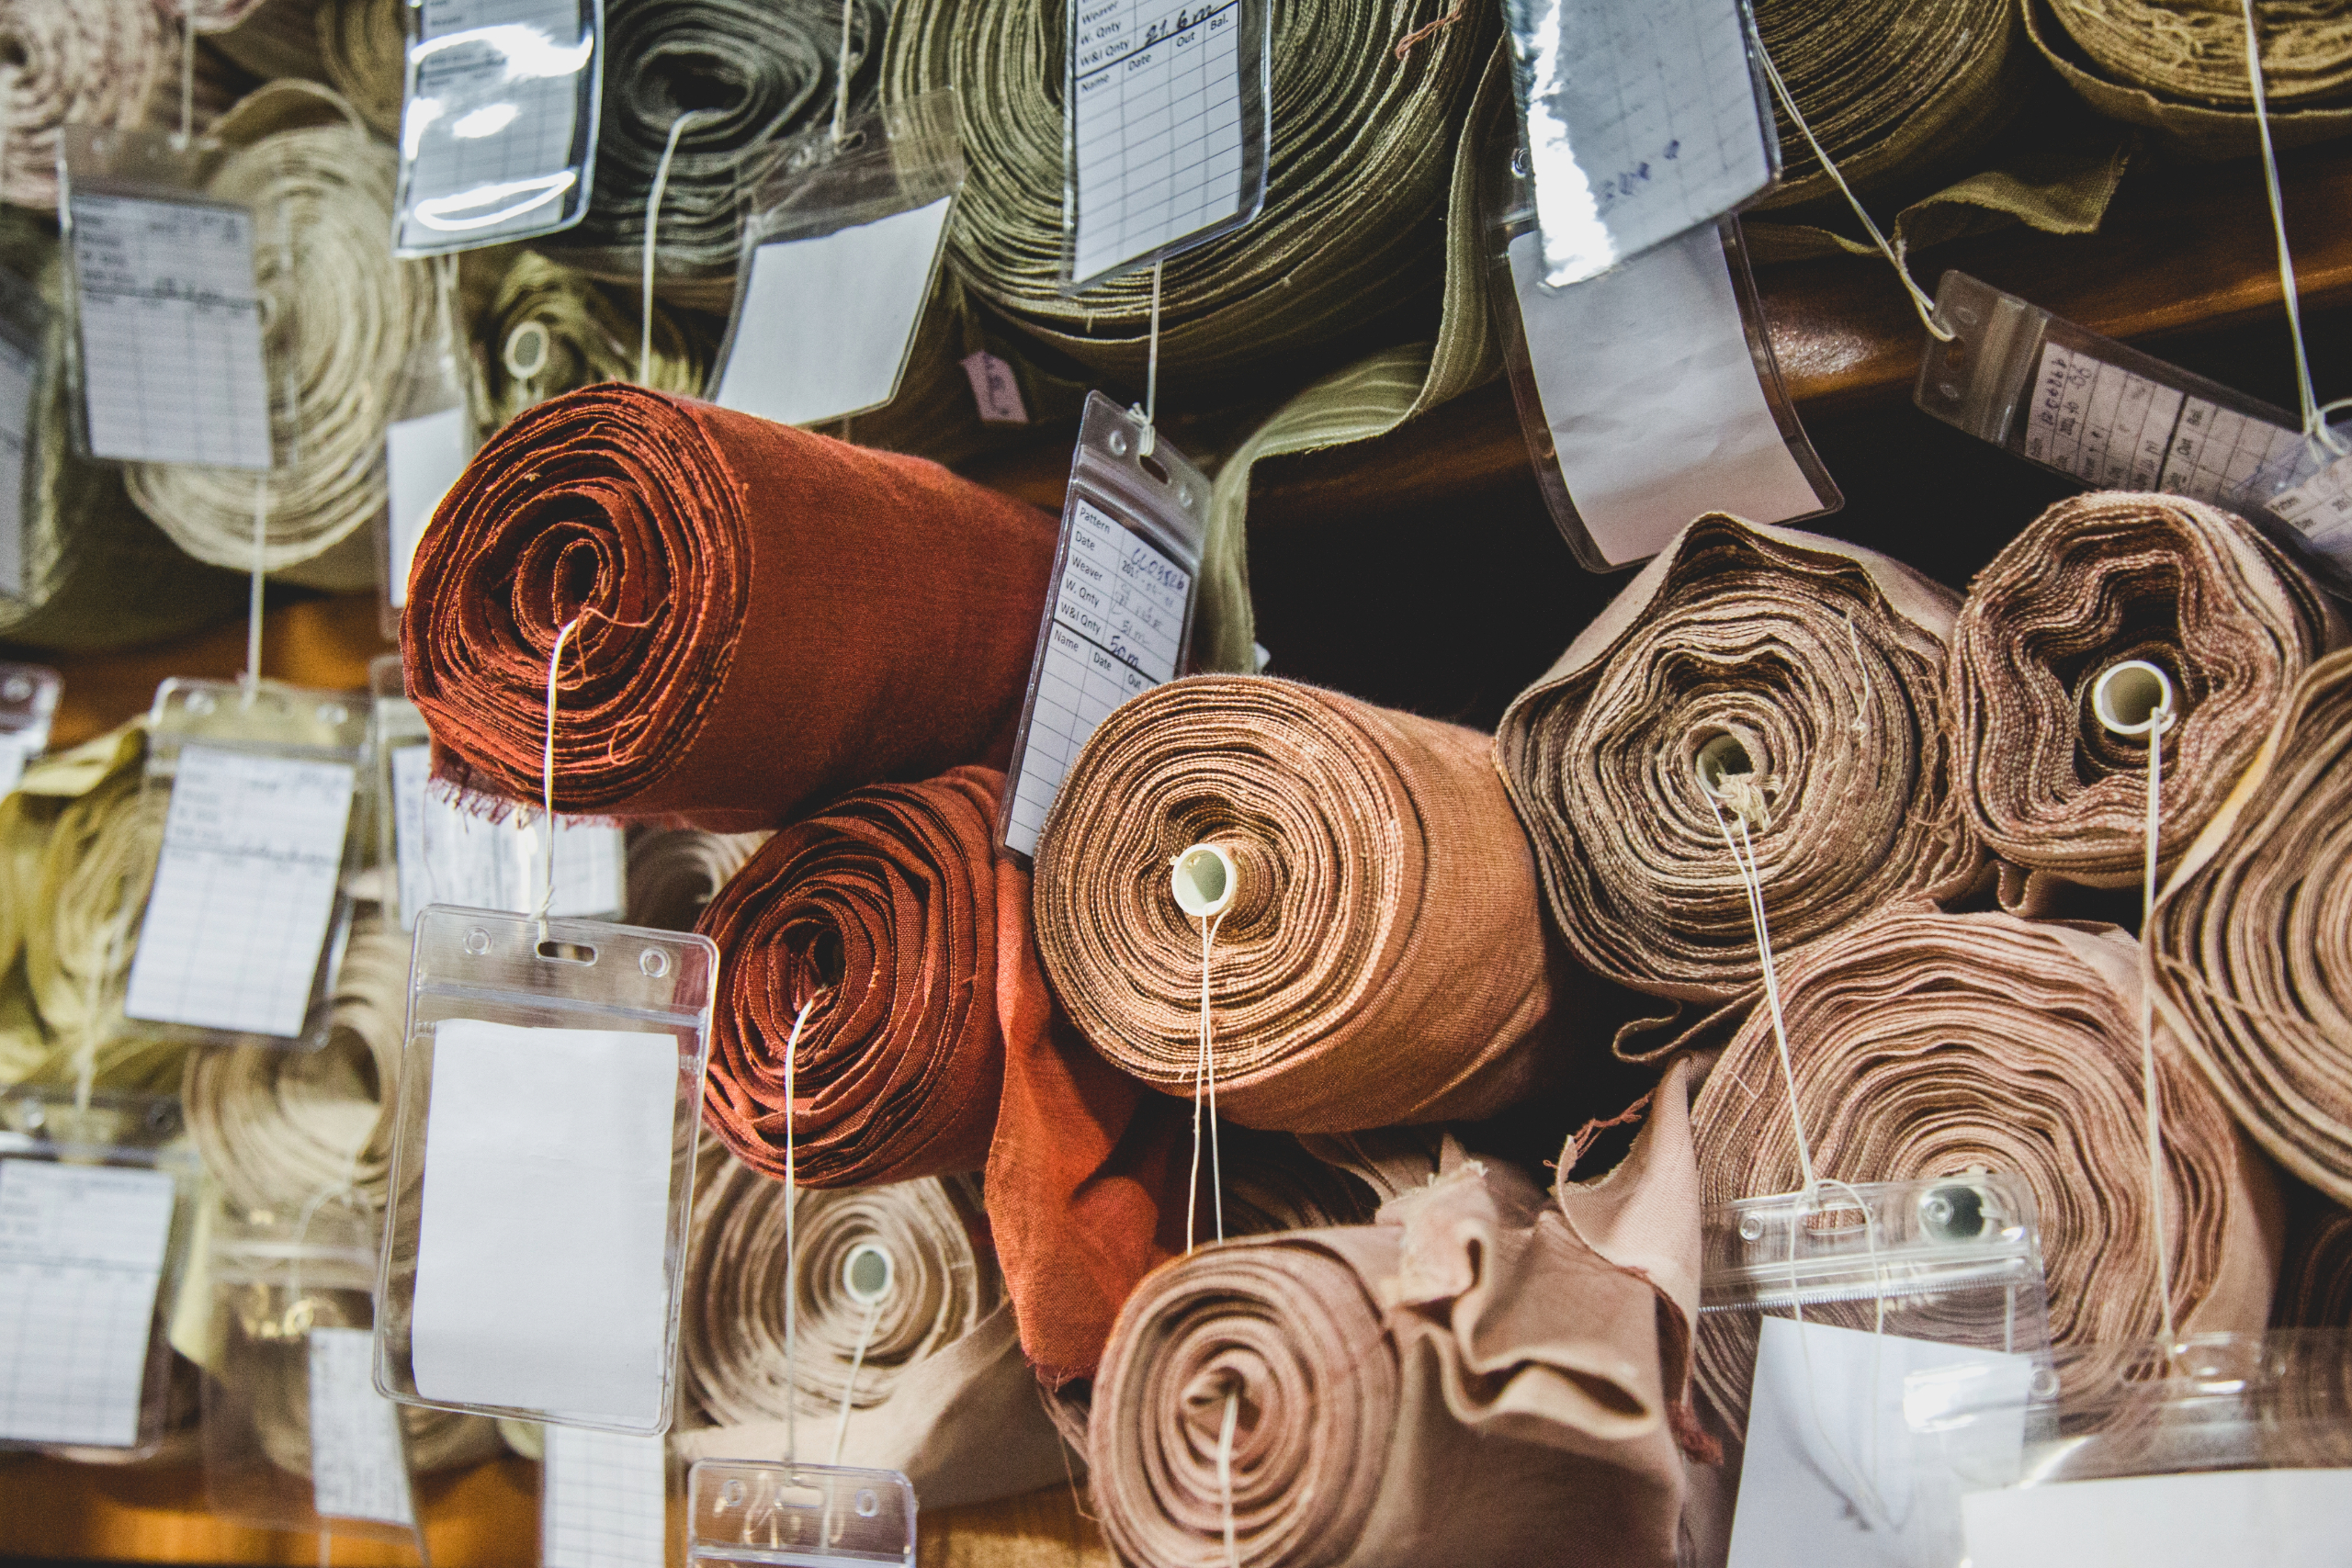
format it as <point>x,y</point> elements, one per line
<point>1463,1381</point>
<point>1383,960</point>
<point>2315,1286</point>
<point>1925,1045</point>
<point>766,617</point>
<point>675,873</point>
<point>2095,581</point>
<point>363,48</point>
<point>2252,940</point>
<point>1823,663</point>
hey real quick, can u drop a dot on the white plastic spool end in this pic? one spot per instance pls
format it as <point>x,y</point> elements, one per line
<point>2133,697</point>
<point>1205,881</point>
<point>868,1273</point>
<point>527,350</point>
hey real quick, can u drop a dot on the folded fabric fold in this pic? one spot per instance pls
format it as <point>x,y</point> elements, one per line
<point>1755,685</point>
<point>762,617</point>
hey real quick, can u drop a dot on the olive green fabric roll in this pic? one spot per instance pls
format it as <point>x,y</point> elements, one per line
<point>363,47</point>
<point>1351,235</point>
<point>553,328</point>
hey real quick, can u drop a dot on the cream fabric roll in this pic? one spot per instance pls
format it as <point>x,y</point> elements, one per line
<point>87,61</point>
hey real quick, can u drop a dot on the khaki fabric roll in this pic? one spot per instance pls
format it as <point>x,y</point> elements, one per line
<point>278,38</point>
<point>363,47</point>
<point>2196,49</point>
<point>2252,940</point>
<point>83,62</point>
<point>94,873</point>
<point>1463,1381</point>
<point>551,329</point>
<point>1384,958</point>
<point>2095,581</point>
<point>940,1393</point>
<point>1926,1044</point>
<point>2315,1286</point>
<point>1351,237</point>
<point>675,873</point>
<point>341,317</point>
<point>1808,670</point>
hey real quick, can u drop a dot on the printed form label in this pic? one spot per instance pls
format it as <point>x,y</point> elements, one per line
<point>2117,430</point>
<point>1157,121</point>
<point>81,1255</point>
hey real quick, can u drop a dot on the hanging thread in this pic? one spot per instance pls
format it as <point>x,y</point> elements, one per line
<point>254,598</point>
<point>791,1254</point>
<point>1148,412</point>
<point>1225,1471</point>
<point>653,225</point>
<point>2315,430</point>
<point>1752,884</point>
<point>841,75</point>
<point>547,772</point>
<point>188,71</point>
<point>1205,880</point>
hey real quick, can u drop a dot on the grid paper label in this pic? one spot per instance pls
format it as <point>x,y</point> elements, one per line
<point>252,850</point>
<point>448,855</point>
<point>20,385</point>
<point>2322,507</point>
<point>489,125</point>
<point>1155,115</point>
<point>170,331</point>
<point>357,1468</point>
<point>1118,622</point>
<point>605,1503</point>
<point>81,1253</point>
<point>2117,430</point>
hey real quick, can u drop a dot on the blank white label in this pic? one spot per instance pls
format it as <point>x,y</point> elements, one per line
<point>488,126</point>
<point>1642,121</point>
<point>605,1501</point>
<point>20,385</point>
<point>235,927</point>
<point>1118,625</point>
<point>2114,429</point>
<point>448,855</point>
<point>423,458</point>
<point>1833,1477</point>
<point>357,1468</point>
<point>170,331</point>
<point>1156,117</point>
<point>539,1275</point>
<point>16,747</point>
<point>1653,399</point>
<point>826,322</point>
<point>2278,1518</point>
<point>81,1253</point>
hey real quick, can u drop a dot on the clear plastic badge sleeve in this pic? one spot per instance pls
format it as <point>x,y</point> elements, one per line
<point>1166,122</point>
<point>498,121</point>
<point>1119,620</point>
<point>29,695</point>
<point>603,1501</point>
<point>1644,119</point>
<point>24,329</point>
<point>245,919</point>
<point>95,1211</point>
<point>842,244</point>
<point>427,445</point>
<point>550,1090</point>
<point>166,354</point>
<point>807,1515</point>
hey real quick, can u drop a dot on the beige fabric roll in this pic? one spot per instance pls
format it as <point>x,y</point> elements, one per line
<point>2095,581</point>
<point>363,44</point>
<point>1384,958</point>
<point>675,873</point>
<point>941,1394</point>
<point>1822,663</point>
<point>87,61</point>
<point>1928,1045</point>
<point>2252,940</point>
<point>551,329</point>
<point>1463,1381</point>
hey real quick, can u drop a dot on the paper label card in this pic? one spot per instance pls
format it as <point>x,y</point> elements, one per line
<point>448,855</point>
<point>1156,119</point>
<point>2117,430</point>
<point>1834,1476</point>
<point>571,1129</point>
<point>1642,123</point>
<point>17,747</point>
<point>253,846</point>
<point>604,1504</point>
<point>2280,1518</point>
<point>1652,398</point>
<point>1118,626</point>
<point>359,1469</point>
<point>996,391</point>
<point>423,458</point>
<point>81,1256</point>
<point>170,322</point>
<point>490,131</point>
<point>2321,508</point>
<point>19,389</point>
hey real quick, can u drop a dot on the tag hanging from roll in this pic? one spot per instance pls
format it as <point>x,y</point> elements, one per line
<point>429,439</point>
<point>27,701</point>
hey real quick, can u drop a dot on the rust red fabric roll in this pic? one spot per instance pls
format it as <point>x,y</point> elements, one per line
<point>766,617</point>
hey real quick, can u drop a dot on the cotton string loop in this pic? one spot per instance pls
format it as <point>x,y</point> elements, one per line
<point>2315,430</point>
<point>653,223</point>
<point>1225,1471</point>
<point>1147,412</point>
<point>188,71</point>
<point>791,1253</point>
<point>260,571</point>
<point>1751,883</point>
<point>849,1389</point>
<point>1204,1079</point>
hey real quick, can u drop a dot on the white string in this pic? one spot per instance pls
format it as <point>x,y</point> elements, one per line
<point>2314,418</point>
<point>188,71</point>
<point>1225,1471</point>
<point>1861,704</point>
<point>840,77</point>
<point>547,774</point>
<point>652,226</point>
<point>791,1256</point>
<point>2158,724</point>
<point>7,118</point>
<point>849,1390</point>
<point>1919,299</point>
<point>1752,884</point>
<point>1204,1076</point>
<point>1148,412</point>
<point>253,597</point>
<point>1865,1495</point>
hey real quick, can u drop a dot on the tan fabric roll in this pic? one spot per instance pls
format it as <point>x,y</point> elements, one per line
<point>1926,1045</point>
<point>941,1393</point>
<point>87,61</point>
<point>673,873</point>
<point>278,38</point>
<point>1462,1380</point>
<point>2251,939</point>
<point>2093,581</point>
<point>551,329</point>
<point>1823,663</point>
<point>1384,959</point>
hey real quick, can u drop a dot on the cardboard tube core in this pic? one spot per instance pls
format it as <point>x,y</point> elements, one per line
<point>866,1273</point>
<point>1721,760</point>
<point>2133,697</point>
<point>1205,881</point>
<point>527,350</point>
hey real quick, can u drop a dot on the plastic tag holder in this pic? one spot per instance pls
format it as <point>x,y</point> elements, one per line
<point>432,384</point>
<point>28,695</point>
<point>798,1516</point>
<point>128,1131</point>
<point>25,322</point>
<point>1159,500</point>
<point>479,965</point>
<point>456,84</point>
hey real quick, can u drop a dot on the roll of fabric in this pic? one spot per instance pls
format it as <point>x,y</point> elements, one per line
<point>932,1374</point>
<point>342,319</point>
<point>94,873</point>
<point>1462,1380</point>
<point>90,62</point>
<point>363,47</point>
<point>553,328</point>
<point>1926,1044</point>
<point>1806,676</point>
<point>278,38</point>
<point>2315,1286</point>
<point>2093,581</point>
<point>278,1128</point>
<point>1888,87</point>
<point>754,75</point>
<point>747,598</point>
<point>2250,942</point>
<point>1384,957</point>
<point>675,873</point>
<point>2195,49</point>
<point>1352,234</point>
